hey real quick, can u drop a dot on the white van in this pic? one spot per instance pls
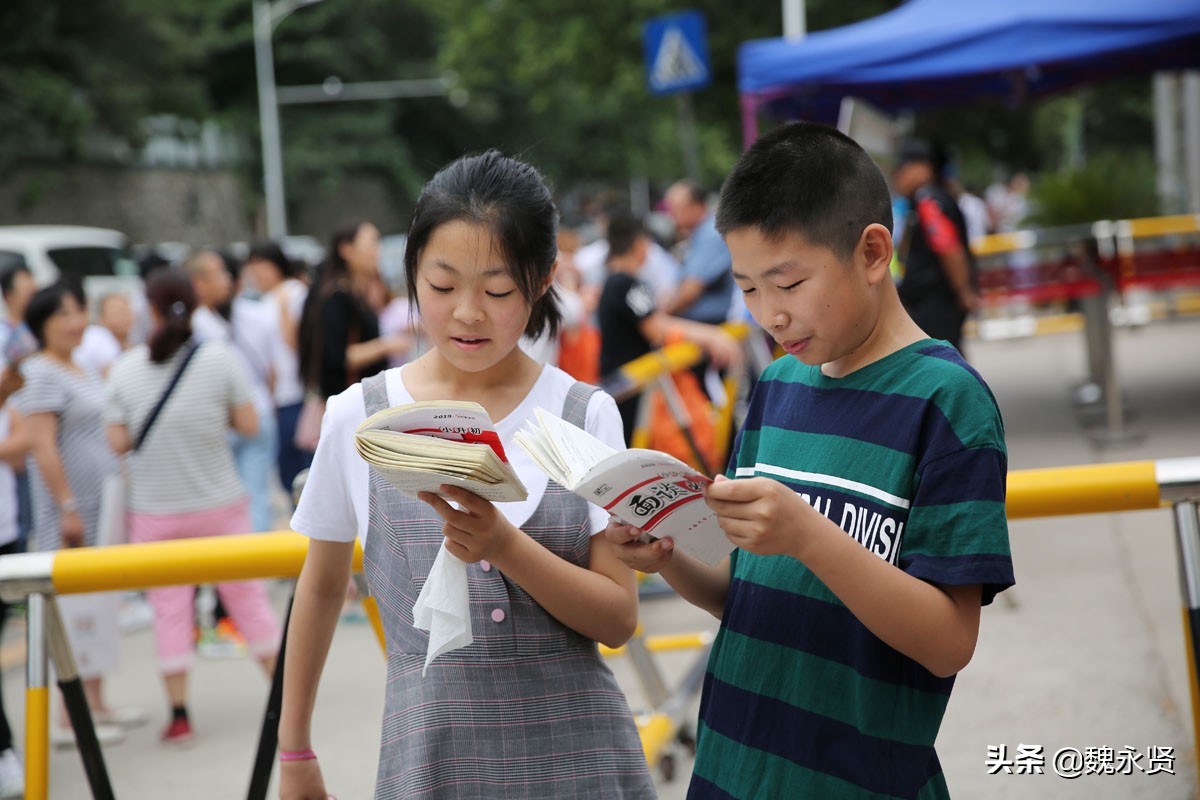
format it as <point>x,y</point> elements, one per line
<point>68,251</point>
<point>95,258</point>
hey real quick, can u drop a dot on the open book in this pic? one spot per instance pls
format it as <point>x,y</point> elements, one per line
<point>420,446</point>
<point>650,490</point>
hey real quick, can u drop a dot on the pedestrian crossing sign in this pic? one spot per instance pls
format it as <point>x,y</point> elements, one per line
<point>676,47</point>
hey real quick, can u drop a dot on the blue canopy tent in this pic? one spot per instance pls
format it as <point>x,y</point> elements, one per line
<point>931,53</point>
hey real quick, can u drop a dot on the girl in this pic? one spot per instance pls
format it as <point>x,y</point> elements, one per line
<point>528,710</point>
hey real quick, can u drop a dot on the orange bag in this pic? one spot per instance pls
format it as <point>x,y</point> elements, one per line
<point>579,353</point>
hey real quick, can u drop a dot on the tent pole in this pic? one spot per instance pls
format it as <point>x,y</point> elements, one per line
<point>1191,138</point>
<point>794,26</point>
<point>1166,141</point>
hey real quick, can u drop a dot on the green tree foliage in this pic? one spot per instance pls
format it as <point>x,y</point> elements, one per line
<point>1112,185</point>
<point>561,82</point>
<point>564,80</point>
<point>69,71</point>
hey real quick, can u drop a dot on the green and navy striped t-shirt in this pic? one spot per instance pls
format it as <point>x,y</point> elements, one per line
<point>800,700</point>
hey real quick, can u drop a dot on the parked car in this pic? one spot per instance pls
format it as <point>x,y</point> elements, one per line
<point>70,251</point>
<point>95,258</point>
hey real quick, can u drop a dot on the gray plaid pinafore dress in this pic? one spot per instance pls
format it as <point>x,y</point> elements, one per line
<point>528,710</point>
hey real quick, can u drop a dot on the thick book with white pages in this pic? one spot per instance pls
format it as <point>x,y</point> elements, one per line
<point>418,447</point>
<point>653,491</point>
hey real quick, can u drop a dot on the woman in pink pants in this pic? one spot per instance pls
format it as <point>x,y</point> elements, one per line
<point>183,483</point>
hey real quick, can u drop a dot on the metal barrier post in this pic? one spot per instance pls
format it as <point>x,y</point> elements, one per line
<point>1187,527</point>
<point>37,701</point>
<point>268,739</point>
<point>76,702</point>
<point>1098,311</point>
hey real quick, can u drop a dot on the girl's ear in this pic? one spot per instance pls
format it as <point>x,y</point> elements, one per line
<point>548,281</point>
<point>875,251</point>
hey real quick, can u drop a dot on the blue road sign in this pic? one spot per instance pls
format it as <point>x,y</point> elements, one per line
<point>676,47</point>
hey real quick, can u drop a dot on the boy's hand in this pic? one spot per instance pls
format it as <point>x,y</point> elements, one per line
<point>478,531</point>
<point>758,515</point>
<point>634,551</point>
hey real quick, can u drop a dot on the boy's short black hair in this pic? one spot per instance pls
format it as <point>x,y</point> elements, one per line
<point>623,231</point>
<point>809,179</point>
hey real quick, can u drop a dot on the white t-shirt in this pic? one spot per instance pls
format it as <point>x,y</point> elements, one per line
<point>97,351</point>
<point>660,271</point>
<point>185,463</point>
<point>288,388</point>
<point>334,503</point>
<point>249,333</point>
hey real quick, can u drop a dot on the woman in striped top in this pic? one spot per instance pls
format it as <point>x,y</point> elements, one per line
<point>63,405</point>
<point>183,483</point>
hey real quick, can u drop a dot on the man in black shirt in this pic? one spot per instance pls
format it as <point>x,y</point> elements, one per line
<point>938,286</point>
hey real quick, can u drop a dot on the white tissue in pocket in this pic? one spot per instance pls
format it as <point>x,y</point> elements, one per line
<point>444,607</point>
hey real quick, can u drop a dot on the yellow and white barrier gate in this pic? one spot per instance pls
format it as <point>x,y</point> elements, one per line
<point>40,577</point>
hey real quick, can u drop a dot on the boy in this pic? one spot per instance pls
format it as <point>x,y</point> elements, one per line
<point>836,653</point>
<point>632,324</point>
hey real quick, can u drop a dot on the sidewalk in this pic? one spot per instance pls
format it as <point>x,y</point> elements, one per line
<point>1086,651</point>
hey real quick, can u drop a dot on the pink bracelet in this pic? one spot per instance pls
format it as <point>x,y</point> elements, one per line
<point>297,755</point>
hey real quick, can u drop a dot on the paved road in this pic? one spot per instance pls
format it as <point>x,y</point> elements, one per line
<point>1087,651</point>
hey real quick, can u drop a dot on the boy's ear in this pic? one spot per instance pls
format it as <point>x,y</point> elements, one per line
<point>875,248</point>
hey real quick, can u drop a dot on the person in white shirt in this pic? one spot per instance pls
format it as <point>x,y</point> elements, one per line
<point>249,329</point>
<point>270,271</point>
<point>108,337</point>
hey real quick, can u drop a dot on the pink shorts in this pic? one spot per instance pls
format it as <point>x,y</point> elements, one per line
<point>174,616</point>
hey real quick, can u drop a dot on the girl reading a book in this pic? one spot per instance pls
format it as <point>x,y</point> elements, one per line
<point>528,710</point>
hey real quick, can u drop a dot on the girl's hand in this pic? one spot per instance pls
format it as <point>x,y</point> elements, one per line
<point>633,549</point>
<point>758,515</point>
<point>302,780</point>
<point>71,529</point>
<point>478,531</point>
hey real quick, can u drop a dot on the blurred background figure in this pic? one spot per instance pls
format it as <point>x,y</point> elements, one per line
<point>938,287</point>
<point>16,342</point>
<point>660,272</point>
<point>579,336</point>
<point>705,283</point>
<point>340,343</point>
<point>106,338</point>
<point>183,483</point>
<point>64,409</point>
<point>632,324</point>
<point>14,445</point>
<point>247,325</point>
<point>283,295</point>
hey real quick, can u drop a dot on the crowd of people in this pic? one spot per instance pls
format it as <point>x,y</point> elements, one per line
<point>253,370</point>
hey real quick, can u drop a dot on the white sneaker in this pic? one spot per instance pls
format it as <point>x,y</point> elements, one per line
<point>125,717</point>
<point>12,776</point>
<point>64,738</point>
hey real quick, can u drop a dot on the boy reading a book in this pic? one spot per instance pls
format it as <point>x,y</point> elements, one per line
<point>867,510</point>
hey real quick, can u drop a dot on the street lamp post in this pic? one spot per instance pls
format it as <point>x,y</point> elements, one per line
<point>266,17</point>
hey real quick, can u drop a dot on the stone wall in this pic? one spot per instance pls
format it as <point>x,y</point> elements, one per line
<point>196,207</point>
